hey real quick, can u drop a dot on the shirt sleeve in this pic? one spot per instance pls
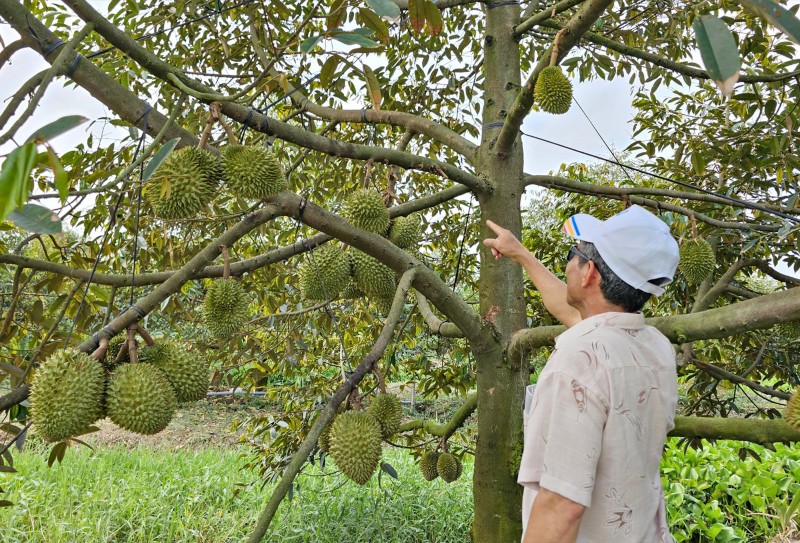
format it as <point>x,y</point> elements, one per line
<point>564,437</point>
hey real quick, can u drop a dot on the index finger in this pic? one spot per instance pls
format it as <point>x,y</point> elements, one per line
<point>495,228</point>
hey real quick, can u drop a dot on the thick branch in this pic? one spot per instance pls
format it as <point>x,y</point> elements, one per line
<point>327,414</point>
<point>544,15</point>
<point>268,125</point>
<point>588,13</point>
<point>678,67</point>
<point>762,431</point>
<point>9,50</point>
<point>449,428</point>
<point>621,193</point>
<point>722,283</point>
<point>733,378</point>
<point>437,325</point>
<point>762,312</point>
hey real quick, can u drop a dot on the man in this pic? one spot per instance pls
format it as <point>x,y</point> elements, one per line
<point>606,398</point>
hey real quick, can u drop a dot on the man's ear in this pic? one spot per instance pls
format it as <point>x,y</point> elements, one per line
<point>590,275</point>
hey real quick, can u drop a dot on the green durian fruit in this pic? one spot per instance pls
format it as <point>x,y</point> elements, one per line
<point>791,412</point>
<point>355,445</point>
<point>553,91</point>
<point>324,441</point>
<point>140,398</point>
<point>789,330</point>
<point>448,467</point>
<point>66,394</point>
<point>253,171</point>
<point>388,411</point>
<point>187,371</point>
<point>365,209</point>
<point>225,308</point>
<point>405,231</point>
<point>325,273</point>
<point>427,465</point>
<point>697,260</point>
<point>114,345</point>
<point>351,291</point>
<point>183,184</point>
<point>374,278</point>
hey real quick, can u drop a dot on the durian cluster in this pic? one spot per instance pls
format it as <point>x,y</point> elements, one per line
<point>791,412</point>
<point>330,271</point>
<point>71,390</point>
<point>353,439</point>
<point>553,91</point>
<point>434,464</point>
<point>189,178</point>
<point>225,308</point>
<point>697,260</point>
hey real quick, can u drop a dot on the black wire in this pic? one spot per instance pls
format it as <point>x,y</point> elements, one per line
<point>599,135</point>
<point>138,206</point>
<point>743,203</point>
<point>463,239</point>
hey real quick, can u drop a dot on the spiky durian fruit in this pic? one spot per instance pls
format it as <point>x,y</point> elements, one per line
<point>66,394</point>
<point>351,291</point>
<point>187,371</point>
<point>374,278</point>
<point>789,330</point>
<point>324,441</point>
<point>325,273</point>
<point>183,184</point>
<point>388,411</point>
<point>697,260</point>
<point>448,467</point>
<point>427,465</point>
<point>355,445</point>
<point>405,231</point>
<point>114,346</point>
<point>792,411</point>
<point>225,308</point>
<point>553,91</point>
<point>253,171</point>
<point>140,398</point>
<point>365,209</point>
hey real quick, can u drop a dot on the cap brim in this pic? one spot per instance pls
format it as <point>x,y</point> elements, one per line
<point>582,226</point>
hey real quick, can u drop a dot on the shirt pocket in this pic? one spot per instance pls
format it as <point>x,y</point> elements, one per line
<point>526,411</point>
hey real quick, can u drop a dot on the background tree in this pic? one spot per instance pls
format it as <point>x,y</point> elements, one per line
<point>422,102</point>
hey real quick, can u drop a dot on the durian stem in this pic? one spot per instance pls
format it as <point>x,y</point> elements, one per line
<point>132,350</point>
<point>226,259</point>
<point>148,339</point>
<point>100,352</point>
<point>213,117</point>
<point>554,52</point>
<point>694,225</point>
<point>123,350</point>
<point>381,380</point>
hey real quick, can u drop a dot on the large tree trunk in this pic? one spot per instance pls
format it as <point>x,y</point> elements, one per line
<point>497,496</point>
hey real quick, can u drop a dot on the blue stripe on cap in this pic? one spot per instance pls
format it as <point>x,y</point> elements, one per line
<point>575,226</point>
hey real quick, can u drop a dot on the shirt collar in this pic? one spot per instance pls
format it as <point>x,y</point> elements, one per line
<point>626,321</point>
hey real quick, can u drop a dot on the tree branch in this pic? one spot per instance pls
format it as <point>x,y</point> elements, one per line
<point>620,193</point>
<point>733,378</point>
<point>719,287</point>
<point>544,15</point>
<point>763,431</point>
<point>449,428</point>
<point>762,312</point>
<point>588,13</point>
<point>329,412</point>
<point>9,50</point>
<point>437,325</point>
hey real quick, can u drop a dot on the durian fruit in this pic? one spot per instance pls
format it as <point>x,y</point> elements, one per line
<point>187,371</point>
<point>355,445</point>
<point>183,184</point>
<point>697,260</point>
<point>553,91</point>
<point>253,171</point>
<point>325,273</point>
<point>114,345</point>
<point>427,465</point>
<point>791,412</point>
<point>140,398</point>
<point>324,441</point>
<point>448,467</point>
<point>365,209</point>
<point>374,278</point>
<point>225,308</point>
<point>388,411</point>
<point>789,330</point>
<point>351,291</point>
<point>384,304</point>
<point>66,394</point>
<point>405,231</point>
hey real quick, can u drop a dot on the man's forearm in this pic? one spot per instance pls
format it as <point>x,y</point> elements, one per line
<point>553,519</point>
<point>552,289</point>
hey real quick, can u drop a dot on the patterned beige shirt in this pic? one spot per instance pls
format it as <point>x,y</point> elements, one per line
<point>596,426</point>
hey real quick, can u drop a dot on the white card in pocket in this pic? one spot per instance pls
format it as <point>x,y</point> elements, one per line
<point>528,399</point>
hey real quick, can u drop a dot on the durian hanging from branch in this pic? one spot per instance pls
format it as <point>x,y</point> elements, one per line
<point>697,258</point>
<point>226,305</point>
<point>553,91</point>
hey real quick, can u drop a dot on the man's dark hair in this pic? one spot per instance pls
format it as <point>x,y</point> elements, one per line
<point>615,290</point>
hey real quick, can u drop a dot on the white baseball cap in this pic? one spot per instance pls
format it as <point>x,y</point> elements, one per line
<point>635,244</point>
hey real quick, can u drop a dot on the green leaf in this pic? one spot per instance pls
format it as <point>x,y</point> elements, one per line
<point>15,178</point>
<point>60,178</point>
<point>416,14</point>
<point>389,470</point>
<point>778,16</point>
<point>7,469</point>
<point>718,50</point>
<point>37,219</point>
<point>373,88</point>
<point>309,43</point>
<point>433,17</point>
<point>56,128</point>
<point>371,20</point>
<point>328,69</point>
<point>338,14</point>
<point>6,503</point>
<point>57,453</point>
<point>159,157</point>
<point>349,38</point>
<point>385,8</point>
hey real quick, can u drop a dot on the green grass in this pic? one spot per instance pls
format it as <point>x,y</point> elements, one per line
<point>148,495</point>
